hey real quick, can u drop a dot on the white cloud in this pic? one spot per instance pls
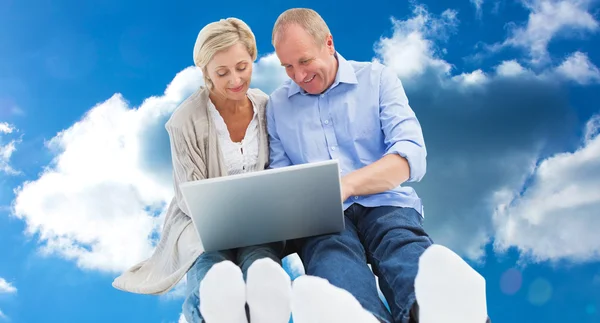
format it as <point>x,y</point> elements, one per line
<point>509,68</point>
<point>6,287</point>
<point>98,196</point>
<point>547,20</point>
<point>477,77</point>
<point>411,50</point>
<point>577,67</point>
<point>592,129</point>
<point>6,150</point>
<point>111,177</point>
<point>477,4</point>
<point>268,73</point>
<point>556,216</point>
<point>6,128</point>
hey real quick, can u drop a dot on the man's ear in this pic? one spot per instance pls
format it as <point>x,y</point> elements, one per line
<point>329,44</point>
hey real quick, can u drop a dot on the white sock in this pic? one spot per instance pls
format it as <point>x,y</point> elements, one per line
<point>223,294</point>
<point>448,290</point>
<point>268,291</point>
<point>314,299</point>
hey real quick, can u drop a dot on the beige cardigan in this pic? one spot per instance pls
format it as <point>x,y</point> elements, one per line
<point>196,155</point>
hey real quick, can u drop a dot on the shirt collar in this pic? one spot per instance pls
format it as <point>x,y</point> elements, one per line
<point>345,74</point>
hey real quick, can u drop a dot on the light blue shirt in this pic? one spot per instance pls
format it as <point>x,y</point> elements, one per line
<point>362,117</point>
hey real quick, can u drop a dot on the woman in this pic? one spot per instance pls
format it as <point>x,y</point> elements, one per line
<point>218,131</point>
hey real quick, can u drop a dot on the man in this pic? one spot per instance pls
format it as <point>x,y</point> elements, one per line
<point>357,113</point>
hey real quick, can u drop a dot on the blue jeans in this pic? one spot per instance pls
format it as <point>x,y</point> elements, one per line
<point>391,239</point>
<point>243,257</point>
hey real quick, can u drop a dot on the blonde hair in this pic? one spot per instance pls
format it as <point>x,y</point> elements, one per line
<point>308,19</point>
<point>220,35</point>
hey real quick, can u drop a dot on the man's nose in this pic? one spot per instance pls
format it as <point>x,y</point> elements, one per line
<point>300,75</point>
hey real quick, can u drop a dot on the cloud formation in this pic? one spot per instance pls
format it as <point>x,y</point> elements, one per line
<point>560,202</point>
<point>6,287</point>
<point>268,73</point>
<point>478,10</point>
<point>5,127</point>
<point>98,194</point>
<point>548,20</point>
<point>7,150</point>
<point>111,178</point>
<point>509,68</point>
<point>411,50</point>
<point>578,68</point>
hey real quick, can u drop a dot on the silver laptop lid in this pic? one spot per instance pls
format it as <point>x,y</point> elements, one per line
<point>266,206</point>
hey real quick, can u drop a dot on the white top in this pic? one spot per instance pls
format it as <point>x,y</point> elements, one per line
<point>239,157</point>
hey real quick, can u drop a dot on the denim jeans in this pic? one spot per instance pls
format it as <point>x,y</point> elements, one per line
<point>391,239</point>
<point>243,257</point>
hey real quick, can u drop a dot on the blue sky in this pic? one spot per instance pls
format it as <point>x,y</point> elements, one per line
<point>506,92</point>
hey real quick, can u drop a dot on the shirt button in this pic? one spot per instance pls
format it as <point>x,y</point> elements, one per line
<point>326,121</point>
<point>332,147</point>
<point>356,197</point>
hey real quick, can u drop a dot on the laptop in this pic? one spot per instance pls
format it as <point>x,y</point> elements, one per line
<point>266,206</point>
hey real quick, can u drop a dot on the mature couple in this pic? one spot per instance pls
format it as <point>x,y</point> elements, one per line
<point>331,108</point>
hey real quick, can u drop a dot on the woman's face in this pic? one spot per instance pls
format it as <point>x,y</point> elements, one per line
<point>230,71</point>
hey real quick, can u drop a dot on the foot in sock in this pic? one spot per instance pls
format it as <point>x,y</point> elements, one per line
<point>268,292</point>
<point>314,299</point>
<point>223,294</point>
<point>448,290</point>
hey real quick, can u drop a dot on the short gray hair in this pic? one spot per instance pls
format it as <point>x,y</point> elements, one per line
<point>308,19</point>
<point>220,35</point>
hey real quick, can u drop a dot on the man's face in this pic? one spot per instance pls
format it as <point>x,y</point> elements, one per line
<point>312,66</point>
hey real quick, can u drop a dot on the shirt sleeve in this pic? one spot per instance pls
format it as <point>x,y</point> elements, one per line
<point>402,130</point>
<point>188,161</point>
<point>277,155</point>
